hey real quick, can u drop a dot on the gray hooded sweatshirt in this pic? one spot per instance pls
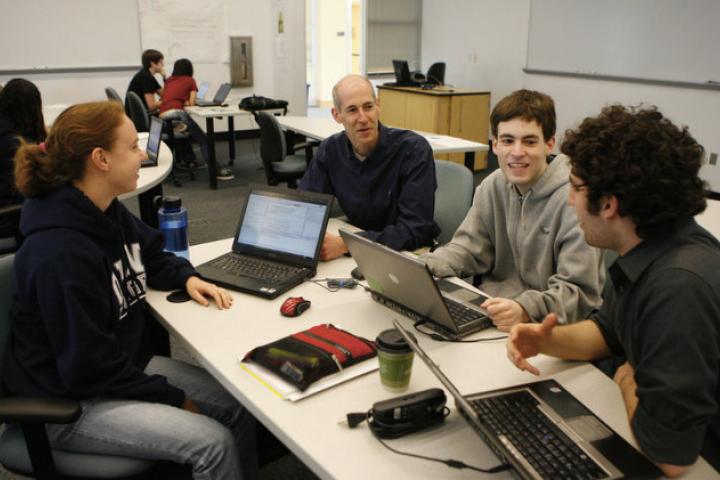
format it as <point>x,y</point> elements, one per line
<point>527,247</point>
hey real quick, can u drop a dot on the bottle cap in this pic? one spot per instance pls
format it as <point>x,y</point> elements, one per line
<point>171,203</point>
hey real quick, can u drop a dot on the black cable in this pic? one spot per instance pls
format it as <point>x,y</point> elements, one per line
<point>440,338</point>
<point>452,463</point>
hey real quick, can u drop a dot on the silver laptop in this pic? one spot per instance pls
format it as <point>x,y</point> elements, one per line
<point>277,243</point>
<point>202,91</point>
<point>543,431</point>
<point>405,285</point>
<point>153,143</point>
<point>219,98</point>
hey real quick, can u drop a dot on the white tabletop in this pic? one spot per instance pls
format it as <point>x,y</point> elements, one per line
<point>322,128</point>
<point>710,218</point>
<point>151,176</point>
<point>310,426</point>
<point>231,109</point>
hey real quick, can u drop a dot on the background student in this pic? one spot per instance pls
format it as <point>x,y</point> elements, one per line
<point>144,83</point>
<point>78,319</point>
<point>21,118</point>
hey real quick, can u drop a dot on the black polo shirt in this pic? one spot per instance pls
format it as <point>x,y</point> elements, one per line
<point>663,315</point>
<point>143,82</point>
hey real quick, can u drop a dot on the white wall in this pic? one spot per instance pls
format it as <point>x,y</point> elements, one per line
<point>244,17</point>
<point>484,43</point>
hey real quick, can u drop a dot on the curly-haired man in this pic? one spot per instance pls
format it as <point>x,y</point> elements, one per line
<point>635,190</point>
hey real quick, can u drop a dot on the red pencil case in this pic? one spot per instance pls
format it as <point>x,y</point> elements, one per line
<point>305,357</point>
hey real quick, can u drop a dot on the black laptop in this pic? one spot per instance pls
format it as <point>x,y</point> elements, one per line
<point>153,143</point>
<point>277,244</point>
<point>543,431</point>
<point>219,98</point>
<point>405,285</point>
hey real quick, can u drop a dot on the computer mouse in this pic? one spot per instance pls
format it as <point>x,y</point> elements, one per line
<point>357,274</point>
<point>294,306</point>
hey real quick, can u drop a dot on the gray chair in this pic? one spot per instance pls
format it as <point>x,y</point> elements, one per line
<point>279,167</point>
<point>24,445</point>
<point>112,94</point>
<point>453,197</point>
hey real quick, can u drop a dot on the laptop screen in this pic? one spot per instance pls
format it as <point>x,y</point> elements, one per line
<point>222,93</point>
<point>202,90</point>
<point>284,225</point>
<point>153,143</point>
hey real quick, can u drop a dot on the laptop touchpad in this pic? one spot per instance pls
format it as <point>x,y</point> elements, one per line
<point>588,427</point>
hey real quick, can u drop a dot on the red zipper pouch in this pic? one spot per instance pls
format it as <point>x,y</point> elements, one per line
<point>306,357</point>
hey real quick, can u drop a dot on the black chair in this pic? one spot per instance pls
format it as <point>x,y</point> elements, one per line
<point>112,94</point>
<point>278,166</point>
<point>9,228</point>
<point>436,74</point>
<point>137,111</point>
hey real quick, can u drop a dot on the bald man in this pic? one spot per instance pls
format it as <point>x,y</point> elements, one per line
<point>383,178</point>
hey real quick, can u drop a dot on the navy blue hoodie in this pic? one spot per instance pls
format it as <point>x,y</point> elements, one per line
<point>78,319</point>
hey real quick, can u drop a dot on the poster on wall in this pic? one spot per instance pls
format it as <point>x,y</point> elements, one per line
<point>182,29</point>
<point>241,71</point>
<point>280,36</point>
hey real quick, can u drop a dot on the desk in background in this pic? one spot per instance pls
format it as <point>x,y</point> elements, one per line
<point>210,114</point>
<point>150,182</point>
<point>458,113</point>
<point>311,428</point>
<point>321,128</point>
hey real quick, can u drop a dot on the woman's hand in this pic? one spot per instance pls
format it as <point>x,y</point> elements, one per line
<point>199,289</point>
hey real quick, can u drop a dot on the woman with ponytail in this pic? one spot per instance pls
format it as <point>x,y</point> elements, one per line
<point>79,317</point>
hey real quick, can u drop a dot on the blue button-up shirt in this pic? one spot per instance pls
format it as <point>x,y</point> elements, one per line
<point>391,194</point>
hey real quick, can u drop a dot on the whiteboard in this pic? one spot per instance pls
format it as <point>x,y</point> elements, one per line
<point>660,40</point>
<point>186,29</point>
<point>69,34</point>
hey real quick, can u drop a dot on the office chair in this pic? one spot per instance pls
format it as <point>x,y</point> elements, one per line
<point>9,228</point>
<point>138,113</point>
<point>278,166</point>
<point>24,446</point>
<point>453,197</point>
<point>436,74</point>
<point>112,94</point>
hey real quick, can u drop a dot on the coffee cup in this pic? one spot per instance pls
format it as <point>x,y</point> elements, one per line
<point>395,358</point>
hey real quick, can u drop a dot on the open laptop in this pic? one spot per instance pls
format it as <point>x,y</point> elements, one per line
<point>277,243</point>
<point>219,98</point>
<point>543,431</point>
<point>405,285</point>
<point>153,143</point>
<point>202,91</point>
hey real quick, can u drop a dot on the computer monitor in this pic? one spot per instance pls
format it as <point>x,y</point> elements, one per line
<point>402,72</point>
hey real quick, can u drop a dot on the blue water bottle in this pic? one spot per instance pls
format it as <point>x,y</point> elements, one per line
<point>173,222</point>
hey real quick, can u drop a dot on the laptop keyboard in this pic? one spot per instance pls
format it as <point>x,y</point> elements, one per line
<point>550,452</point>
<point>460,313</point>
<point>256,268</point>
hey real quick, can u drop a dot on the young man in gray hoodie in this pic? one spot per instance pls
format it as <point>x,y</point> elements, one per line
<point>520,234</point>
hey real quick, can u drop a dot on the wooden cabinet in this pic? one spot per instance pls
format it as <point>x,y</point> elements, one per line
<point>459,113</point>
